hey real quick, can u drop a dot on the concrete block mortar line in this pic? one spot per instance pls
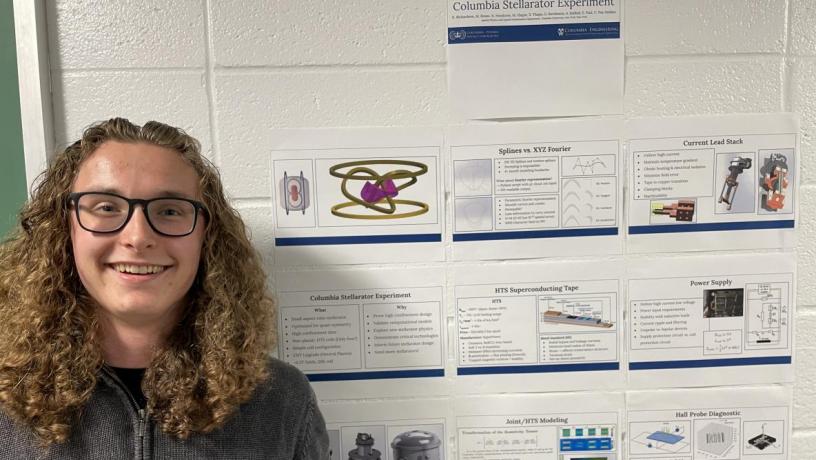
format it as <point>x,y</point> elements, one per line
<point>787,83</point>
<point>787,73</point>
<point>252,202</point>
<point>803,432</point>
<point>714,57</point>
<point>208,84</point>
<point>326,68</point>
<point>146,70</point>
<point>786,30</point>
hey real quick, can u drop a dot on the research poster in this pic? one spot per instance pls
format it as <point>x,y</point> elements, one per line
<point>541,58</point>
<point>712,183</point>
<point>711,320</point>
<point>561,426</point>
<point>546,189</point>
<point>388,430</point>
<point>553,326</point>
<point>346,196</point>
<point>710,424</point>
<point>365,332</point>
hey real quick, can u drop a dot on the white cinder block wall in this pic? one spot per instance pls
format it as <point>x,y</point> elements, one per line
<point>229,71</point>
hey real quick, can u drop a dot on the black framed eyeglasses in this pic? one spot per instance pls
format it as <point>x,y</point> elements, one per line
<point>99,212</point>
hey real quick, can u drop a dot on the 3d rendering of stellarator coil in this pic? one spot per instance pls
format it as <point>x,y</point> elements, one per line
<point>416,445</point>
<point>379,191</point>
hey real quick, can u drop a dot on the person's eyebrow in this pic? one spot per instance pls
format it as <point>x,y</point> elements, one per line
<point>163,193</point>
<point>102,190</point>
<point>174,194</point>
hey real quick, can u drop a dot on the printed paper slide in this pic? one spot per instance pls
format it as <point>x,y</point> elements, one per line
<point>556,426</point>
<point>388,430</point>
<point>534,58</point>
<point>709,424</point>
<point>536,189</point>
<point>538,327</point>
<point>711,320</point>
<point>712,183</point>
<point>364,332</point>
<point>345,196</point>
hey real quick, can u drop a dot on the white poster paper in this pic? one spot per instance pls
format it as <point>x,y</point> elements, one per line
<point>538,327</point>
<point>361,333</point>
<point>540,427</point>
<point>536,189</point>
<point>711,320</point>
<point>534,58</point>
<point>710,424</point>
<point>712,183</point>
<point>388,430</point>
<point>357,196</point>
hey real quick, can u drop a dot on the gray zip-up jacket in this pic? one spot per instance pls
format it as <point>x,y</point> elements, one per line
<point>281,421</point>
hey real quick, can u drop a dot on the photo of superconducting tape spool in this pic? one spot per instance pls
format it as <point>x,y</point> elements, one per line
<point>379,191</point>
<point>554,316</point>
<point>294,193</point>
<point>416,445</point>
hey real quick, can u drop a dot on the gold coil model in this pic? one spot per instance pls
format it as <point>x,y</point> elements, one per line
<point>386,207</point>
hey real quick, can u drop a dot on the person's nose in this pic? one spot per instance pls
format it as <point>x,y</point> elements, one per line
<point>137,233</point>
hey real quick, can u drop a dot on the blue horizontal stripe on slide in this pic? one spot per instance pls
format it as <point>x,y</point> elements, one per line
<point>726,362</point>
<point>373,375</point>
<point>533,33</point>
<point>538,368</point>
<point>712,227</point>
<point>535,234</point>
<point>359,239</point>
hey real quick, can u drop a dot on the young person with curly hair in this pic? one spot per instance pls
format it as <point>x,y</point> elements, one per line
<point>134,318</point>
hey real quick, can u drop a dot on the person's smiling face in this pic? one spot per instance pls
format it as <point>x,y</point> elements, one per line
<point>136,275</point>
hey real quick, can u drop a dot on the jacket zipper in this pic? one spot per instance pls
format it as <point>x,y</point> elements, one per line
<point>139,411</point>
<point>142,423</point>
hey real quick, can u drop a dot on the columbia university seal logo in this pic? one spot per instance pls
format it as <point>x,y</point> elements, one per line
<point>457,35</point>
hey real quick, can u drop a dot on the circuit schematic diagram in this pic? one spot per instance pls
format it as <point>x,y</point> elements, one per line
<point>767,318</point>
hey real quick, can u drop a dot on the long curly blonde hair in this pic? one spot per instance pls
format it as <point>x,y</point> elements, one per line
<point>50,355</point>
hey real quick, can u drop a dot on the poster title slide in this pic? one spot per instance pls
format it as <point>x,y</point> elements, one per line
<point>521,421</point>
<point>535,289</point>
<point>534,149</point>
<point>708,413</point>
<point>718,283</point>
<point>355,296</point>
<point>524,4</point>
<point>709,142</point>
